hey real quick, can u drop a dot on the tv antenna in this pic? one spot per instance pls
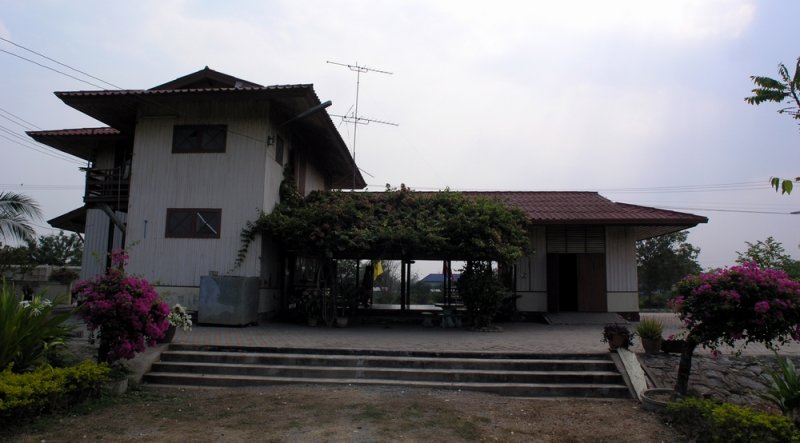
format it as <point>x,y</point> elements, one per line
<point>354,118</point>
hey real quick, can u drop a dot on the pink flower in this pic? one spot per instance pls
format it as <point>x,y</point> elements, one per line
<point>762,307</point>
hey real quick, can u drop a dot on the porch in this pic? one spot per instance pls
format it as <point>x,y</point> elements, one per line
<point>579,335</point>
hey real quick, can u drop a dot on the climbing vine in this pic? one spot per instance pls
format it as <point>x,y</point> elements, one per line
<point>398,223</point>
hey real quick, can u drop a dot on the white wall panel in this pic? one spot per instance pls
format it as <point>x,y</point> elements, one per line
<point>232,181</point>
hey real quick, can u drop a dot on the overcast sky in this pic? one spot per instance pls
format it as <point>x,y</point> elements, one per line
<point>639,100</point>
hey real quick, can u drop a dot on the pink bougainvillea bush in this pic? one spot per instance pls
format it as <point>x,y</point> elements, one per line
<point>125,310</point>
<point>736,306</point>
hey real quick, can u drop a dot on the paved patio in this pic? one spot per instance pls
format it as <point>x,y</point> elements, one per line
<point>515,337</point>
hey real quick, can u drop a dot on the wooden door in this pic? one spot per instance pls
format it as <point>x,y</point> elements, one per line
<point>591,280</point>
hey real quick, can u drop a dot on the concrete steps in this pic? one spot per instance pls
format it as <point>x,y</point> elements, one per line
<point>526,375</point>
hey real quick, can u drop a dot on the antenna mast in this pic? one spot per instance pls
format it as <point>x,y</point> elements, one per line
<point>354,118</point>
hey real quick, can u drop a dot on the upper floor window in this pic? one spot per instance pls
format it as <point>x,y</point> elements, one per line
<point>198,138</point>
<point>193,223</point>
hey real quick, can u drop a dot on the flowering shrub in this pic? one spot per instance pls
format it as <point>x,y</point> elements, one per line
<point>740,303</point>
<point>127,311</point>
<point>743,304</point>
<point>179,318</point>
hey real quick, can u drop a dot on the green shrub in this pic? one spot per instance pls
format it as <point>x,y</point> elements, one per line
<point>784,390</point>
<point>481,291</point>
<point>28,330</point>
<point>708,421</point>
<point>48,389</point>
<point>650,328</point>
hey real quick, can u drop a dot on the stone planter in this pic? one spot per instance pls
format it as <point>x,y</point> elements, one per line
<point>656,399</point>
<point>341,322</point>
<point>651,345</point>
<point>169,335</point>
<point>117,387</point>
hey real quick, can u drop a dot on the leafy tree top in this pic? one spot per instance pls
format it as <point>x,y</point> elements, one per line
<point>770,253</point>
<point>394,224</point>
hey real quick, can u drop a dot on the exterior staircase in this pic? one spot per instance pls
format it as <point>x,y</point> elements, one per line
<point>513,374</point>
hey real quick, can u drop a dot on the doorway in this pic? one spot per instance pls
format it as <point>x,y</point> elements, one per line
<point>576,283</point>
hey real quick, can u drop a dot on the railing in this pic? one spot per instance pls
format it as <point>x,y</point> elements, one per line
<point>109,186</point>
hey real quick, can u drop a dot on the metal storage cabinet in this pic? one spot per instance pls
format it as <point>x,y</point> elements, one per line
<point>228,300</point>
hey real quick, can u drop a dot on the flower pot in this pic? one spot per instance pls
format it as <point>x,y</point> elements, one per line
<point>656,399</point>
<point>616,341</point>
<point>673,346</point>
<point>169,335</point>
<point>651,345</point>
<point>312,321</point>
<point>341,322</point>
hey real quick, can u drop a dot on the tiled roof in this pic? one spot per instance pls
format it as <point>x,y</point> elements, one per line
<point>561,207</point>
<point>124,92</point>
<point>74,132</point>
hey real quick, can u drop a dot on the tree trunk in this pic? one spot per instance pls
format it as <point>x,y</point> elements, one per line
<point>103,350</point>
<point>685,367</point>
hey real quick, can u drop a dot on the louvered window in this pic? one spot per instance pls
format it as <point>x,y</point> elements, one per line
<point>571,239</point>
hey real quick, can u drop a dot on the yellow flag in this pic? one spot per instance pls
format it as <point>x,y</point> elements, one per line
<point>377,270</point>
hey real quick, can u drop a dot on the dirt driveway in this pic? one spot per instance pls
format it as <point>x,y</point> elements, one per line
<point>304,413</point>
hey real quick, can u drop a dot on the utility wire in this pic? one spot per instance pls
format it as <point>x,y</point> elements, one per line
<point>59,63</point>
<point>52,69</point>
<point>28,125</point>
<point>39,150</point>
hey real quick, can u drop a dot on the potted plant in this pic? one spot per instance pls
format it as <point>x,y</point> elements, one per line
<point>617,336</point>
<point>650,330</point>
<point>178,318</point>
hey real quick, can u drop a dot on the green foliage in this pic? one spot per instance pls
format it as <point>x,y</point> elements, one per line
<point>707,421</point>
<point>481,291</point>
<point>57,250</point>
<point>770,254</point>
<point>48,389</point>
<point>28,330</point>
<point>396,223</point>
<point>784,90</point>
<point>662,261</point>
<point>16,213</point>
<point>649,328</point>
<point>784,390</point>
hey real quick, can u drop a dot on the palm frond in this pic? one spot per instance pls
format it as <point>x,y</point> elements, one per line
<point>16,213</point>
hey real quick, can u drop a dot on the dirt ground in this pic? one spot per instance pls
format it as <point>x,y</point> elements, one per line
<point>300,413</point>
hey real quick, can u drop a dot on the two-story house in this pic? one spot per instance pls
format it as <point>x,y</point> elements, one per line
<point>182,167</point>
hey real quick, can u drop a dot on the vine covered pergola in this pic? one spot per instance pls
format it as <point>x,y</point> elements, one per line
<point>396,224</point>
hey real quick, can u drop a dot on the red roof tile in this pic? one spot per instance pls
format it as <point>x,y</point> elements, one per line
<point>562,207</point>
<point>123,92</point>
<point>74,132</point>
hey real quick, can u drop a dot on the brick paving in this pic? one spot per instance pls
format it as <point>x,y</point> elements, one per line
<point>515,337</point>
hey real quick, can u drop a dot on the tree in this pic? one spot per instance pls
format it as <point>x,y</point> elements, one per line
<point>57,250</point>
<point>742,304</point>
<point>16,213</point>
<point>784,91</point>
<point>663,261</point>
<point>770,254</point>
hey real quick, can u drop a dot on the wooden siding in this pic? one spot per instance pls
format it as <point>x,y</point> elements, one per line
<point>95,244</point>
<point>621,277</point>
<point>531,274</point>
<point>232,181</point>
<point>621,259</point>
